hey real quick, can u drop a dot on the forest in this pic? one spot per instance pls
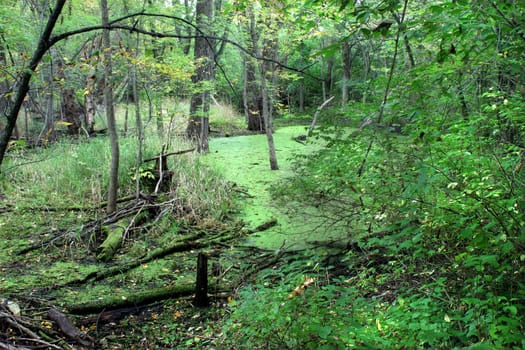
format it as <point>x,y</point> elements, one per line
<point>248,174</point>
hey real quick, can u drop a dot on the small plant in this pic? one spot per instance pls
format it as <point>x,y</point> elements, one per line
<point>146,172</point>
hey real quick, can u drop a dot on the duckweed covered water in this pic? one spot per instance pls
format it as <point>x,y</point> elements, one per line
<point>244,161</point>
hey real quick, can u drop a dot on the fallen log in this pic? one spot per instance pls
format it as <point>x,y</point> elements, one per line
<point>184,243</point>
<point>138,298</point>
<point>264,226</point>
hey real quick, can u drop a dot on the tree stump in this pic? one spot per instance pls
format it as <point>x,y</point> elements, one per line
<point>201,287</point>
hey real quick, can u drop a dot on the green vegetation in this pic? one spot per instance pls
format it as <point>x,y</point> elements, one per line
<point>433,256</point>
<point>393,216</point>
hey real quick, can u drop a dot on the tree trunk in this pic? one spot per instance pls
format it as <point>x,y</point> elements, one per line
<point>110,112</point>
<point>346,49</point>
<point>23,87</point>
<point>48,131</point>
<point>201,286</point>
<point>71,110</point>
<point>411,62</point>
<point>140,136</point>
<point>268,120</point>
<point>252,99</point>
<point>4,87</point>
<point>301,95</point>
<point>198,126</point>
<point>89,102</point>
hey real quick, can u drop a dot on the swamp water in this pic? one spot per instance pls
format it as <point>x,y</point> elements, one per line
<point>244,160</point>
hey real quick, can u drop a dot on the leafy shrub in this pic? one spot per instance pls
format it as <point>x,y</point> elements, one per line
<point>445,207</point>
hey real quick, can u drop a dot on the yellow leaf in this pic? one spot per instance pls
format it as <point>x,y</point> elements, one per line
<point>378,324</point>
<point>63,123</point>
<point>300,289</point>
<point>46,324</point>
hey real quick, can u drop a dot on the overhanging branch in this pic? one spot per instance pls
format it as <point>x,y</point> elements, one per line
<point>114,25</point>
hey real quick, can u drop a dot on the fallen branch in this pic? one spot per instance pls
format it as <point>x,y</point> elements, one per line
<point>158,253</point>
<point>264,226</point>
<point>69,330</point>
<point>168,154</point>
<point>184,243</point>
<point>138,298</point>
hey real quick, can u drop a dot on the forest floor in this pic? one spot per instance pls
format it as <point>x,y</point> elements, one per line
<point>139,300</point>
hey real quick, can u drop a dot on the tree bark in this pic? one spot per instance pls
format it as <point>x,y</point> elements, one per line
<point>140,131</point>
<point>71,109</point>
<point>23,87</point>
<point>346,49</point>
<point>251,97</point>
<point>198,126</point>
<point>268,49</point>
<point>138,298</point>
<point>110,112</point>
<point>201,287</point>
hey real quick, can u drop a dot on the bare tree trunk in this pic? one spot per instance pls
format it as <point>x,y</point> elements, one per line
<point>89,102</point>
<point>110,112</point>
<point>346,49</point>
<point>71,110</point>
<point>252,99</point>
<point>138,121</point>
<point>47,133</point>
<point>4,86</point>
<point>198,126</point>
<point>366,71</point>
<point>301,95</point>
<point>268,119</point>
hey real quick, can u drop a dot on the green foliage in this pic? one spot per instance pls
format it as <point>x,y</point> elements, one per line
<point>322,317</point>
<point>445,207</point>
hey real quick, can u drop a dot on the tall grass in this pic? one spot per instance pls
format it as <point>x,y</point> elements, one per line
<point>76,171</point>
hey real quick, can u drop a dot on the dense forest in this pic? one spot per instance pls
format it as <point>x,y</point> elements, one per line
<point>220,174</point>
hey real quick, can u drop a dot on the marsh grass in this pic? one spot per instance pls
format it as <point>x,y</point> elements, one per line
<point>205,194</point>
<point>75,172</point>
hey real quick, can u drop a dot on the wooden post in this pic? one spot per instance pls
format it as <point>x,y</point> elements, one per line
<point>201,288</point>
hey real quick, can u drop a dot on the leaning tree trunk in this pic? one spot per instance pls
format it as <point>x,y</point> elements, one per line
<point>110,112</point>
<point>23,87</point>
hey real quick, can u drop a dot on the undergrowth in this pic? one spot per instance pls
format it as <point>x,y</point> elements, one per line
<point>434,253</point>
